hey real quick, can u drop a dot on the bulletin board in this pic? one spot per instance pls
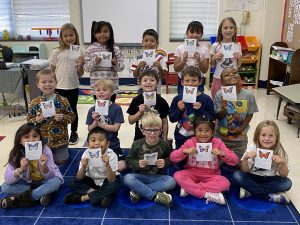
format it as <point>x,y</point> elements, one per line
<point>291,24</point>
<point>129,18</point>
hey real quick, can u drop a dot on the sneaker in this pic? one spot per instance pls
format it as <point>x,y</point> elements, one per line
<point>214,197</point>
<point>46,199</point>
<point>106,202</point>
<point>134,197</point>
<point>244,193</point>
<point>164,199</point>
<point>73,138</point>
<point>72,198</point>
<point>183,193</point>
<point>280,197</point>
<point>8,202</point>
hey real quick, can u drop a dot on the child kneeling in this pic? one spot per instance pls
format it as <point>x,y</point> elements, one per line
<point>148,158</point>
<point>97,179</point>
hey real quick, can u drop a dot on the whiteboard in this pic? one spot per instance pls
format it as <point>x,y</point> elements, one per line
<point>129,18</point>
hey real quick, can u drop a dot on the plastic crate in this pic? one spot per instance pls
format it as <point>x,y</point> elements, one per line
<point>252,43</point>
<point>213,39</point>
<point>242,41</point>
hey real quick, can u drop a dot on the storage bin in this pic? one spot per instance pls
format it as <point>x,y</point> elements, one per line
<point>242,41</point>
<point>291,112</point>
<point>213,39</point>
<point>252,43</point>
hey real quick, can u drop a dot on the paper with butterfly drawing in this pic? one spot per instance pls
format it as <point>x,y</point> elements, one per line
<point>33,150</point>
<point>190,45</point>
<point>189,94</point>
<point>95,157</point>
<point>48,108</point>
<point>204,152</point>
<point>149,98</point>
<point>106,58</point>
<point>229,93</point>
<point>101,107</point>
<point>263,158</point>
<point>149,56</point>
<point>74,51</point>
<point>151,158</point>
<point>228,50</point>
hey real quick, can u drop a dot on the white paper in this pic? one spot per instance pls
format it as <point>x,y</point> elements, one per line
<point>263,158</point>
<point>33,150</point>
<point>95,157</point>
<point>106,58</point>
<point>150,98</point>
<point>190,45</point>
<point>204,152</point>
<point>149,56</point>
<point>228,50</point>
<point>277,83</point>
<point>151,158</point>
<point>101,107</point>
<point>48,108</point>
<point>229,93</point>
<point>189,94</point>
<point>74,51</point>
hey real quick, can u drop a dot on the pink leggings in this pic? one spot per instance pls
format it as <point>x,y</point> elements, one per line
<point>215,87</point>
<point>196,185</point>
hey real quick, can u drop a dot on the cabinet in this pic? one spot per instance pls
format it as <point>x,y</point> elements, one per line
<point>287,72</point>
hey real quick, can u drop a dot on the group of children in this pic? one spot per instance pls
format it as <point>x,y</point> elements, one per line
<point>98,176</point>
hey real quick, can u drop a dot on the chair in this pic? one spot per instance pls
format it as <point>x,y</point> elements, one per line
<point>171,77</point>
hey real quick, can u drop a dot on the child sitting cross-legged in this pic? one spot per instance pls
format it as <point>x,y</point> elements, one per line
<point>148,158</point>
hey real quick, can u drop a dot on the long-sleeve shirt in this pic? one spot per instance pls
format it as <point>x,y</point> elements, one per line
<point>9,177</point>
<point>204,167</point>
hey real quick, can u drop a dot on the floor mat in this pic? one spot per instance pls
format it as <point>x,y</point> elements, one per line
<point>186,211</point>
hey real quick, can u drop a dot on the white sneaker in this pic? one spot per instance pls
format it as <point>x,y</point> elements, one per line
<point>280,197</point>
<point>244,193</point>
<point>183,193</point>
<point>214,197</point>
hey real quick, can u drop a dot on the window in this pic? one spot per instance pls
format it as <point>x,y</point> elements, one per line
<point>28,14</point>
<point>6,18</point>
<point>184,11</point>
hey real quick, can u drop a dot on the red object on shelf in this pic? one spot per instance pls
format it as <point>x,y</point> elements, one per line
<point>243,42</point>
<point>171,77</point>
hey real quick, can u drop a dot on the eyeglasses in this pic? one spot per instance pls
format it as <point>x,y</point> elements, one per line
<point>149,131</point>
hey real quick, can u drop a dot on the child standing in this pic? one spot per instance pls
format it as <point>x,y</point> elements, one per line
<point>111,123</point>
<point>234,116</point>
<point>262,183</point>
<point>226,34</point>
<point>96,184</point>
<point>137,108</point>
<point>150,42</point>
<point>55,128</point>
<point>200,59</point>
<point>148,180</point>
<point>185,113</point>
<point>102,40</point>
<point>67,71</point>
<point>203,179</point>
<point>29,181</point>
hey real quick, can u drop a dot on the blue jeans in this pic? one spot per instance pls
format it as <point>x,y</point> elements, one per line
<point>147,185</point>
<point>261,186</point>
<point>43,187</point>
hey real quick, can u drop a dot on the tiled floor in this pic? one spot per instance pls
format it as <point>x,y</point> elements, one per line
<point>267,110</point>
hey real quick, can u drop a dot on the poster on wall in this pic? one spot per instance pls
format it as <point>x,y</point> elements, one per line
<point>243,5</point>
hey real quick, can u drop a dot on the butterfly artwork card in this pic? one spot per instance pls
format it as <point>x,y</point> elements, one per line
<point>190,45</point>
<point>74,51</point>
<point>101,107</point>
<point>151,158</point>
<point>263,158</point>
<point>228,50</point>
<point>33,150</point>
<point>149,98</point>
<point>95,157</point>
<point>106,58</point>
<point>189,94</point>
<point>204,152</point>
<point>229,93</point>
<point>149,56</point>
<point>48,108</point>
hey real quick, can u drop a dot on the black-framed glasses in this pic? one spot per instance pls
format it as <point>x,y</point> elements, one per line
<point>150,131</point>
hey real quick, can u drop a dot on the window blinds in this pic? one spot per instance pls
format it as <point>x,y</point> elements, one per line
<point>6,19</point>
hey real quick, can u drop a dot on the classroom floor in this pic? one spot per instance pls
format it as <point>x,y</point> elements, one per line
<point>267,105</point>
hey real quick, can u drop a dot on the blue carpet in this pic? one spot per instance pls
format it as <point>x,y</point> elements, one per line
<point>186,211</point>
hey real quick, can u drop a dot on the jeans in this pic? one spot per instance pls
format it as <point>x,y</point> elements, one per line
<point>147,185</point>
<point>39,188</point>
<point>261,186</point>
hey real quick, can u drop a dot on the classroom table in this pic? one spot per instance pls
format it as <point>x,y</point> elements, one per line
<point>290,93</point>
